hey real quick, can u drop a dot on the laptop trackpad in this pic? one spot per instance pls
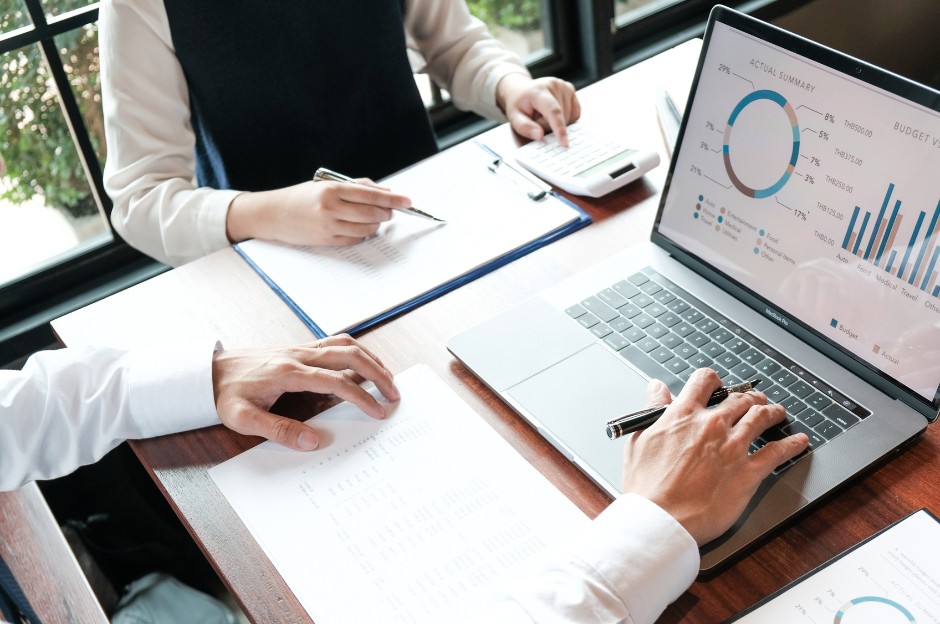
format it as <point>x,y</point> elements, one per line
<point>574,399</point>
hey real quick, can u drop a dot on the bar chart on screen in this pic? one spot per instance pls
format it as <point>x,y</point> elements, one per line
<point>877,239</point>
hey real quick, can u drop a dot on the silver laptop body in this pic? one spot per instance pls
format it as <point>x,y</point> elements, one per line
<point>801,217</point>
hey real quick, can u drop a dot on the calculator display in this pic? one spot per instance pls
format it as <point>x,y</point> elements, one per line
<point>604,164</point>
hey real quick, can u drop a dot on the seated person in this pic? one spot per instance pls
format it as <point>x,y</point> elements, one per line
<point>686,479</point>
<point>216,117</point>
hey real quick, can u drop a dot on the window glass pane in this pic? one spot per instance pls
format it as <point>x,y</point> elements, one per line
<point>47,209</point>
<point>13,15</point>
<point>517,23</point>
<point>628,10</point>
<point>78,50</point>
<point>429,94</point>
<point>58,7</point>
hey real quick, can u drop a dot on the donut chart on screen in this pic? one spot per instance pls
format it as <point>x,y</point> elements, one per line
<point>756,96</point>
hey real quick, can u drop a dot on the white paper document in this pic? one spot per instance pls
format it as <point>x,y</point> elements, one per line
<point>892,579</point>
<point>488,216</point>
<point>411,519</point>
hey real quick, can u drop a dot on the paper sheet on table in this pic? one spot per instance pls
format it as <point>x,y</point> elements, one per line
<point>410,519</point>
<point>488,216</point>
<point>892,579</point>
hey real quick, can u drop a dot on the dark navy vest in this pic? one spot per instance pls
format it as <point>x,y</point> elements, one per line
<point>281,87</point>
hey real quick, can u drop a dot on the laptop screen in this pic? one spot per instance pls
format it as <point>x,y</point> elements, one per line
<point>818,192</point>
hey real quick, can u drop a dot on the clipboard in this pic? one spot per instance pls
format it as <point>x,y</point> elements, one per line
<point>491,221</point>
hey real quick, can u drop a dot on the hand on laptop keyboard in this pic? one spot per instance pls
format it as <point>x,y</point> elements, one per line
<point>695,463</point>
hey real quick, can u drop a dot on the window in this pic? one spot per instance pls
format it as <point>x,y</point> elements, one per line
<point>521,25</point>
<point>57,248</point>
<point>48,208</point>
<point>642,28</point>
<point>629,10</point>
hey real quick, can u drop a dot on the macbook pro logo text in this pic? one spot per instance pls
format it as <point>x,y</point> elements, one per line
<point>777,317</point>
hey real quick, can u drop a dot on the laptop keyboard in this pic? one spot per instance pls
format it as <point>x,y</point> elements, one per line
<point>667,333</point>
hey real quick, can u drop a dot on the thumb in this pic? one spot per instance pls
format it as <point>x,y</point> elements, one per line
<point>525,125</point>
<point>657,393</point>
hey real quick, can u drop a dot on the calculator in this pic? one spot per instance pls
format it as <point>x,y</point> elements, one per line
<point>592,164</point>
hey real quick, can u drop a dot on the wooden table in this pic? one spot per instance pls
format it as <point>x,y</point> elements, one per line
<point>220,297</point>
<point>41,560</point>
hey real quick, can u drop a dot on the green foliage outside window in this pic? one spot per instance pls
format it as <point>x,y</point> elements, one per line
<point>515,14</point>
<point>37,154</point>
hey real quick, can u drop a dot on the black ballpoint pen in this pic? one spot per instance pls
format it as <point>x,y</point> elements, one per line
<point>642,419</point>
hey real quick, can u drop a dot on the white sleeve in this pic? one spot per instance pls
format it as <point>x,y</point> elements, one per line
<point>461,54</point>
<point>150,170</point>
<point>69,407</point>
<point>631,563</point>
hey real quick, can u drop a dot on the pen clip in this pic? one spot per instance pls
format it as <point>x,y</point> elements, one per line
<point>542,190</point>
<point>326,175</point>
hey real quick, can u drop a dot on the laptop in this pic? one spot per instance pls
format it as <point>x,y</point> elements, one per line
<point>796,241</point>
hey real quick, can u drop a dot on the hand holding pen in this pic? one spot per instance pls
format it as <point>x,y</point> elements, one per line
<point>643,418</point>
<point>313,213</point>
<point>696,463</point>
<point>323,174</point>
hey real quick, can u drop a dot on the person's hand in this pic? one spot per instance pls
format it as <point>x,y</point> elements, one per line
<point>534,107</point>
<point>313,213</point>
<point>248,382</point>
<point>694,463</point>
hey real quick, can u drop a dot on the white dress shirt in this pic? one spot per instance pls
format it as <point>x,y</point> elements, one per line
<point>150,170</point>
<point>69,407</point>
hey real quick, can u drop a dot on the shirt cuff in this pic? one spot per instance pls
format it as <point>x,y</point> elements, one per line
<point>488,107</point>
<point>211,220</point>
<point>171,390</point>
<point>643,553</point>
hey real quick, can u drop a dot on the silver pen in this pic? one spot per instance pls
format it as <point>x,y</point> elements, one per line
<point>324,174</point>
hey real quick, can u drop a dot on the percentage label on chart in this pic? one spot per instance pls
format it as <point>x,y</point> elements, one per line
<point>824,136</point>
<point>809,179</point>
<point>709,125</point>
<point>695,170</point>
<point>703,145</point>
<point>724,69</point>
<point>830,118</point>
<point>799,214</point>
<point>814,161</point>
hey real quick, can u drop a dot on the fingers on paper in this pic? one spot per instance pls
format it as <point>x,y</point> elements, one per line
<point>326,369</point>
<point>250,419</point>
